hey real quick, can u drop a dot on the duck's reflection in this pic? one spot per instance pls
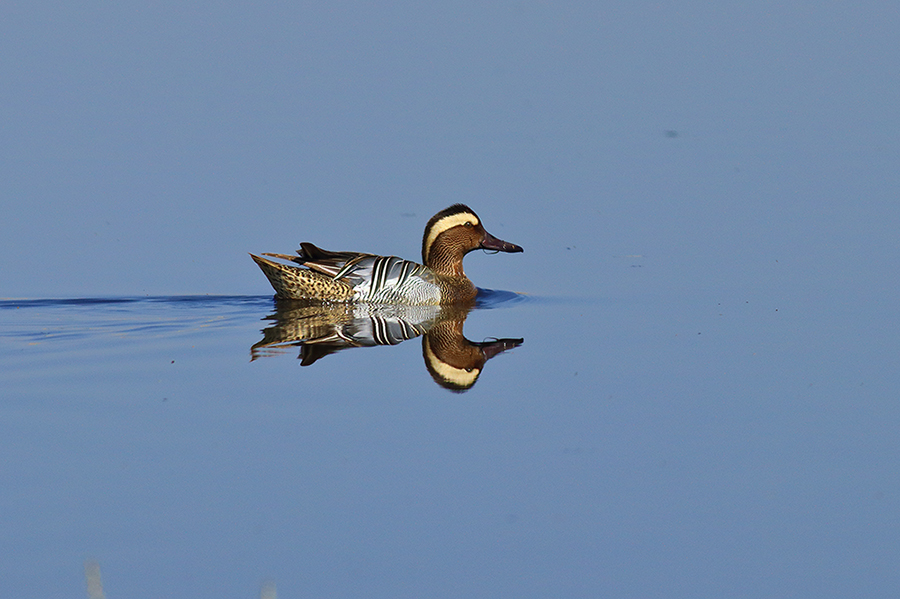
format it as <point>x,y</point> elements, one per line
<point>321,329</point>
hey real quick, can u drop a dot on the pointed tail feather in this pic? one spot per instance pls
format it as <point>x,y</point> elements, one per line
<point>296,259</point>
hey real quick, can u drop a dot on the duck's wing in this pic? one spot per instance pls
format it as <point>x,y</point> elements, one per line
<point>371,275</point>
<point>323,261</point>
<point>374,278</point>
<point>313,253</point>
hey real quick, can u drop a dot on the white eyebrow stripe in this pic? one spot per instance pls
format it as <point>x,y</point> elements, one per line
<point>448,222</point>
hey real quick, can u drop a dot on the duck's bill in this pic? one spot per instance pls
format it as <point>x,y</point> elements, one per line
<point>492,243</point>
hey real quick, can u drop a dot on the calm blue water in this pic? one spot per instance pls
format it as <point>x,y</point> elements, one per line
<point>721,448</point>
<point>698,393</point>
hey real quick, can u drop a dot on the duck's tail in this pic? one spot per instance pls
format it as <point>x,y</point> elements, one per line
<point>293,282</point>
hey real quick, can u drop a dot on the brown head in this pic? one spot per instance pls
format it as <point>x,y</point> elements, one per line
<point>451,234</point>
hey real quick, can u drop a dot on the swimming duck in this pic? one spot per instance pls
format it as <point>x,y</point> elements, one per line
<point>352,276</point>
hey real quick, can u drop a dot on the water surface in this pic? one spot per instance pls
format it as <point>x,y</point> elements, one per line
<point>690,451</point>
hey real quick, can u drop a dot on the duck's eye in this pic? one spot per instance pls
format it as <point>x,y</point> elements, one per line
<point>469,224</point>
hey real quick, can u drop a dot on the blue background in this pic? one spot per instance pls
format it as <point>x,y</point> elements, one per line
<point>146,147</point>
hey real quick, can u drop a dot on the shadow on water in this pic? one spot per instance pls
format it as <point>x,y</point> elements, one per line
<point>493,298</point>
<point>453,361</point>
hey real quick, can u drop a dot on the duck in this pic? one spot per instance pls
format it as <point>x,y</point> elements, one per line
<point>326,276</point>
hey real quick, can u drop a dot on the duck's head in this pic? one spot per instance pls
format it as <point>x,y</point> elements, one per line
<point>454,232</point>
